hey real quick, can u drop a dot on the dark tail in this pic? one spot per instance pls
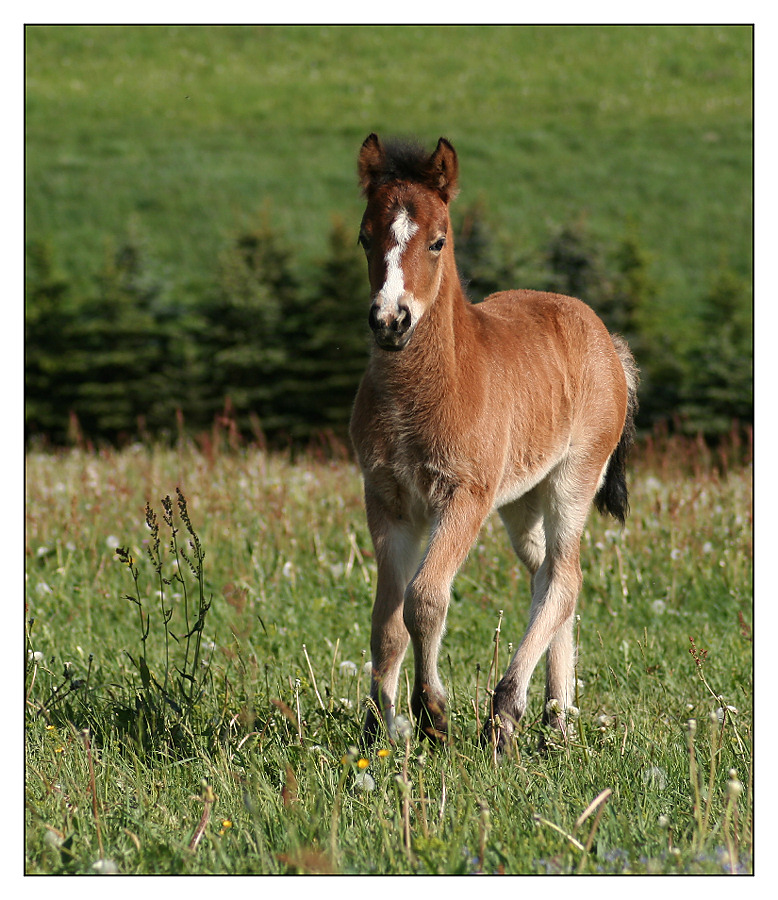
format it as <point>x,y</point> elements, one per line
<point>613,497</point>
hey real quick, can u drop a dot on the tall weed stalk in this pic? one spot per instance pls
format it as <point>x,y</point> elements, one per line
<point>166,706</point>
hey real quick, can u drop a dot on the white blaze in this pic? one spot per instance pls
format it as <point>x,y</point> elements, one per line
<point>403,229</point>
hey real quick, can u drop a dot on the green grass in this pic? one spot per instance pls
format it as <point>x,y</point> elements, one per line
<point>260,759</point>
<point>183,134</point>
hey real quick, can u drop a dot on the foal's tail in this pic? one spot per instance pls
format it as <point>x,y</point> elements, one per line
<point>613,496</point>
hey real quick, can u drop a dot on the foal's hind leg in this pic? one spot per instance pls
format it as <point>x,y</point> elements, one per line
<point>556,585</point>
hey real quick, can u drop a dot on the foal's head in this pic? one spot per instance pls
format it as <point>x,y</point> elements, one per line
<point>405,232</point>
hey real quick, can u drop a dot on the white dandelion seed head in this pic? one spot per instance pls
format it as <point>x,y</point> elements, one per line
<point>734,788</point>
<point>105,867</point>
<point>348,668</point>
<point>364,781</point>
<point>403,728</point>
<point>655,778</point>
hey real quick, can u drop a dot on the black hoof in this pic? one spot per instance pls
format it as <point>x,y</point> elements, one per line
<point>431,718</point>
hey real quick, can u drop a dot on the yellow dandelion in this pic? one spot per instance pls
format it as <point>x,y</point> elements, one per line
<point>226,824</point>
<point>60,750</point>
<point>383,753</point>
<point>363,763</point>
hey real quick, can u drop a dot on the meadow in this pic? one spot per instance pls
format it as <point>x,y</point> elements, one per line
<point>198,709</point>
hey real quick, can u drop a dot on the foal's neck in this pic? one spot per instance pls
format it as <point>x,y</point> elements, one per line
<point>432,360</point>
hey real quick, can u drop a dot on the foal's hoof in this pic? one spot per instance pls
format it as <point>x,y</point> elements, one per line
<point>431,718</point>
<point>501,725</point>
<point>497,734</point>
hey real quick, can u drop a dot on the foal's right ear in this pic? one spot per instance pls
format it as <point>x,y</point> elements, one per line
<point>445,170</point>
<point>371,161</point>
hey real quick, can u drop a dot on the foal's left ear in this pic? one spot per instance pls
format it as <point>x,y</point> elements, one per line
<point>445,170</point>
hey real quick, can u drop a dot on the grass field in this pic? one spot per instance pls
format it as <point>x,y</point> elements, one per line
<point>180,135</point>
<point>261,772</point>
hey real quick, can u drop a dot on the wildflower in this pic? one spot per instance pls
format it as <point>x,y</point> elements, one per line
<point>572,713</point>
<point>362,763</point>
<point>707,547</point>
<point>663,821</point>
<point>383,753</point>
<point>659,606</point>
<point>111,542</point>
<point>553,708</point>
<point>288,570</point>
<point>35,656</point>
<point>348,668</point>
<point>351,754</point>
<point>691,726</point>
<point>226,825</point>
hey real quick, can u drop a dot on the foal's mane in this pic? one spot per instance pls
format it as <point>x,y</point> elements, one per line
<point>404,160</point>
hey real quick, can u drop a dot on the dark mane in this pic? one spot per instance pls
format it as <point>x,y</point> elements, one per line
<point>405,160</point>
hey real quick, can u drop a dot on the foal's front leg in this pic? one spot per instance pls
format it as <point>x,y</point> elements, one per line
<point>427,600</point>
<point>397,545</point>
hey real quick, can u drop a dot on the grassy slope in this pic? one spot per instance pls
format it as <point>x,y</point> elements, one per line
<point>282,574</point>
<point>181,133</point>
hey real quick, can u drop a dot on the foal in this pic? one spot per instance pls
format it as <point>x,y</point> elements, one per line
<point>523,403</point>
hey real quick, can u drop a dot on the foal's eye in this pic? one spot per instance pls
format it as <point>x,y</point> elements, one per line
<point>364,241</point>
<point>438,245</point>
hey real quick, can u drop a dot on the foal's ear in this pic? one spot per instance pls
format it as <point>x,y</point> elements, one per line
<point>371,161</point>
<point>445,170</point>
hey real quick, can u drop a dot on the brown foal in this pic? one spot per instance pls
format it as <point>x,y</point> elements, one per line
<point>522,404</point>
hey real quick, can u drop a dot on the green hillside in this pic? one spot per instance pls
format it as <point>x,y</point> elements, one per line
<point>182,131</point>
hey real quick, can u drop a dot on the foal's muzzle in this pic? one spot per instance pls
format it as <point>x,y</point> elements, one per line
<point>391,331</point>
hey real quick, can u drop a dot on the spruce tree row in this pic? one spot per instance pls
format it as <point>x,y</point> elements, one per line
<point>280,356</point>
